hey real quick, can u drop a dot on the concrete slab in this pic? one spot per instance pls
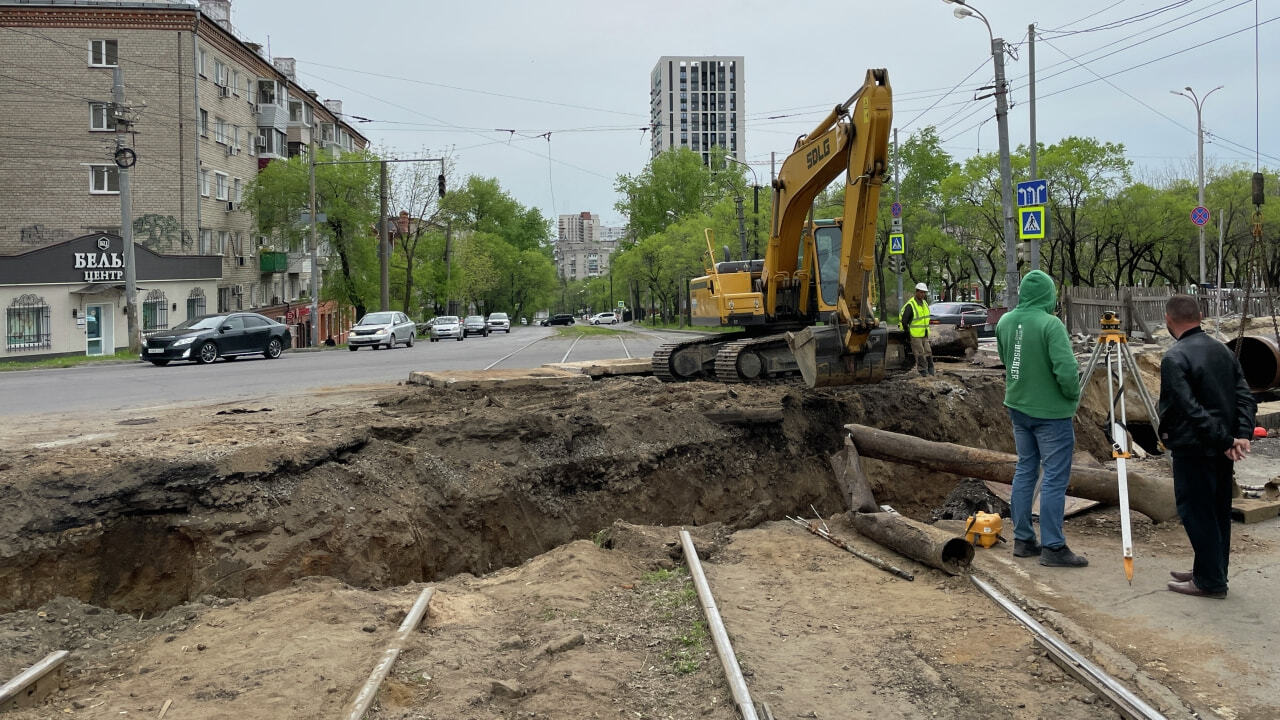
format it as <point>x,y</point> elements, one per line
<point>1269,415</point>
<point>606,368</point>
<point>481,379</point>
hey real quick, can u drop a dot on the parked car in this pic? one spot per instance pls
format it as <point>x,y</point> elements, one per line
<point>957,313</point>
<point>499,321</point>
<point>561,319</point>
<point>604,318</point>
<point>209,337</point>
<point>475,325</point>
<point>446,326</point>
<point>382,329</point>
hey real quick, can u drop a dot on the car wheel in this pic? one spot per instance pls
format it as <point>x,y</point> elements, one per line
<point>161,363</point>
<point>274,348</point>
<point>460,337</point>
<point>410,342</point>
<point>353,348</point>
<point>208,353</point>
<point>391,342</point>
<point>434,339</point>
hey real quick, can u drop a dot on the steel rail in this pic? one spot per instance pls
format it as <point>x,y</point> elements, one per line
<point>30,686</point>
<point>1125,702</point>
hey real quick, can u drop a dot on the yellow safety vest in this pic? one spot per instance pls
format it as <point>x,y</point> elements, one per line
<point>919,318</point>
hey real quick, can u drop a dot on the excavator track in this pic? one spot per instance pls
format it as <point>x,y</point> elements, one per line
<point>686,359</point>
<point>755,359</point>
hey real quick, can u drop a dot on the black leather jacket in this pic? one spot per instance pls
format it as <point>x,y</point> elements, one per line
<point>1205,402</point>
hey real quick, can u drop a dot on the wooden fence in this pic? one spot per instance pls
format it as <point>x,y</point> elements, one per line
<point>1141,309</point>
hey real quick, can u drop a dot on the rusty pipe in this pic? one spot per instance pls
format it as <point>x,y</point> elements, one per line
<point>1260,360</point>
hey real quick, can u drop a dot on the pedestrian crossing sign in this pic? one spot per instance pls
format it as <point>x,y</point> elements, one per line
<point>1031,223</point>
<point>897,244</point>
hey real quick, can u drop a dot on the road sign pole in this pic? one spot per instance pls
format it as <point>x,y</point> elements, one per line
<point>897,211</point>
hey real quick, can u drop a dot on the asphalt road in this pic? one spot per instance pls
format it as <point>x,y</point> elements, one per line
<point>117,386</point>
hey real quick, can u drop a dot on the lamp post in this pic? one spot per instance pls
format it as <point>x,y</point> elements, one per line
<point>1006,174</point>
<point>1199,103</point>
<point>755,208</point>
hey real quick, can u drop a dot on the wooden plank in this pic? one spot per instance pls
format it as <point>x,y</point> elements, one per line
<point>31,686</point>
<point>1253,510</point>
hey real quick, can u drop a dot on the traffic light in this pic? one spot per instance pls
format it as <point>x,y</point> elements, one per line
<point>1024,251</point>
<point>440,182</point>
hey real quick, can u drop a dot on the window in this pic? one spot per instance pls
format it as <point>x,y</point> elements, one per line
<point>235,82</point>
<point>27,324</point>
<point>200,62</point>
<point>204,183</point>
<point>204,122</point>
<point>101,117</point>
<point>103,53</point>
<point>155,312</point>
<point>223,240</point>
<point>295,111</point>
<point>206,242</point>
<point>251,322</point>
<point>236,189</point>
<point>195,303</point>
<point>220,181</point>
<point>219,72</point>
<point>220,131</point>
<point>104,179</point>
<point>266,92</point>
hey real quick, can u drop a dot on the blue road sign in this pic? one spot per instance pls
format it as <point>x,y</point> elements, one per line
<point>897,244</point>
<point>1031,223</point>
<point>1200,215</point>
<point>896,209</point>
<point>1033,192</point>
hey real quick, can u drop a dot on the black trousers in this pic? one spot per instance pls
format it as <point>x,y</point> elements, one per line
<point>1202,489</point>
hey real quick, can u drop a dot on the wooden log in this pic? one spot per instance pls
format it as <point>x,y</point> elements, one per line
<point>923,543</point>
<point>1151,497</point>
<point>853,482</point>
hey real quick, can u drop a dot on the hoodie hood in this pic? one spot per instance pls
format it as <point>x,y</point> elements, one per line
<point>1037,292</point>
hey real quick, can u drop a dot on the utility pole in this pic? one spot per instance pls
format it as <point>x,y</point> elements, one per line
<point>1031,87</point>
<point>1199,103</point>
<point>755,221</point>
<point>901,258</point>
<point>384,249</point>
<point>315,251</point>
<point>742,226</point>
<point>124,160</point>
<point>448,268</point>
<point>1006,177</point>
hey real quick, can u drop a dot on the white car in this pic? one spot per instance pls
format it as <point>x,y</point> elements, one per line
<point>604,318</point>
<point>446,326</point>
<point>382,329</point>
<point>499,321</point>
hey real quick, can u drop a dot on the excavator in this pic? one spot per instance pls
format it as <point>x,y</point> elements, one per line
<point>806,305</point>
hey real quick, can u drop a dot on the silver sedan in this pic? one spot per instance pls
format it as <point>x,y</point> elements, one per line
<point>382,329</point>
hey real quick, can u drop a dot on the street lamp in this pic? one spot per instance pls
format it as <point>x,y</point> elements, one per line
<point>1006,174</point>
<point>755,208</point>
<point>1199,103</point>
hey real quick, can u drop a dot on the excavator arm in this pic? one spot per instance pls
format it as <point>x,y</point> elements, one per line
<point>854,138</point>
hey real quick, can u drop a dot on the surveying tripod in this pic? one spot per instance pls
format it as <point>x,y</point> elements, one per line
<point>1113,349</point>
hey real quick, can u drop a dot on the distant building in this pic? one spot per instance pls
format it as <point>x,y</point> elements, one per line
<point>584,246</point>
<point>698,103</point>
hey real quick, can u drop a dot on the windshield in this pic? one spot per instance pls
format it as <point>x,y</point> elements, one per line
<point>201,323</point>
<point>944,308</point>
<point>447,320</point>
<point>378,318</point>
<point>474,318</point>
<point>498,316</point>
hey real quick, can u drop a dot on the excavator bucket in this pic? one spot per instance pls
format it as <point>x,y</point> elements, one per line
<point>824,359</point>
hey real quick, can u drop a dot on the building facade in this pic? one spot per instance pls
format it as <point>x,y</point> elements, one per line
<point>584,247</point>
<point>698,103</point>
<point>203,110</point>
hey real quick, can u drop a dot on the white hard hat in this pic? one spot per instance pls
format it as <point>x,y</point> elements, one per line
<point>922,287</point>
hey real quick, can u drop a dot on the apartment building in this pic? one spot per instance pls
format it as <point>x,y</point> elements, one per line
<point>698,103</point>
<point>584,246</point>
<point>204,109</point>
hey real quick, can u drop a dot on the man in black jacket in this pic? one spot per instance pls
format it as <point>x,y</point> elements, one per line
<point>1206,420</point>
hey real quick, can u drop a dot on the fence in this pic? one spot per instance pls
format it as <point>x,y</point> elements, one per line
<point>1141,309</point>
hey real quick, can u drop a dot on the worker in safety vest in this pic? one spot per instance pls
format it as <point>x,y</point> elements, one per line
<point>914,318</point>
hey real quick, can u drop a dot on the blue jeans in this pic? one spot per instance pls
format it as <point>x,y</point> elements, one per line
<point>1051,442</point>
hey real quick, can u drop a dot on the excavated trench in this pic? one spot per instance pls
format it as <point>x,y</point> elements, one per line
<point>448,482</point>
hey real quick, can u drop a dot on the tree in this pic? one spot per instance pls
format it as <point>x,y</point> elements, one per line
<point>673,186</point>
<point>347,194</point>
<point>414,189</point>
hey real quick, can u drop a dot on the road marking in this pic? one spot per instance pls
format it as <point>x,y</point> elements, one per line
<point>624,347</point>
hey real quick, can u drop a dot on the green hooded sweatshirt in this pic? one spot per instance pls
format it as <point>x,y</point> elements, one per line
<point>1041,374</point>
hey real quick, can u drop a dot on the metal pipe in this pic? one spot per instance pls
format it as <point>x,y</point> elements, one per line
<point>33,685</point>
<point>363,699</point>
<point>1260,360</point>
<point>728,660</point>
<point>1129,705</point>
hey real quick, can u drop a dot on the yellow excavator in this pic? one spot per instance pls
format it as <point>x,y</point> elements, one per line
<point>813,271</point>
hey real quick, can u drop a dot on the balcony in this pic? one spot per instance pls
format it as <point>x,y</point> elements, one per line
<point>271,262</point>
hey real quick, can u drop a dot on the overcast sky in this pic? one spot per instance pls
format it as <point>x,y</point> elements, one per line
<point>442,77</point>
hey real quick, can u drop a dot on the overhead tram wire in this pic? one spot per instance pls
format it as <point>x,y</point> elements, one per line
<point>963,80</point>
<point>1121,22</point>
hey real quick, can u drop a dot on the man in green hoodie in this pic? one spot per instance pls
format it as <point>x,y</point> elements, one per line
<point>1042,389</point>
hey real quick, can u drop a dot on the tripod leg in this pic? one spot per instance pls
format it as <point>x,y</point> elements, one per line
<point>1089,365</point>
<point>1147,402</point>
